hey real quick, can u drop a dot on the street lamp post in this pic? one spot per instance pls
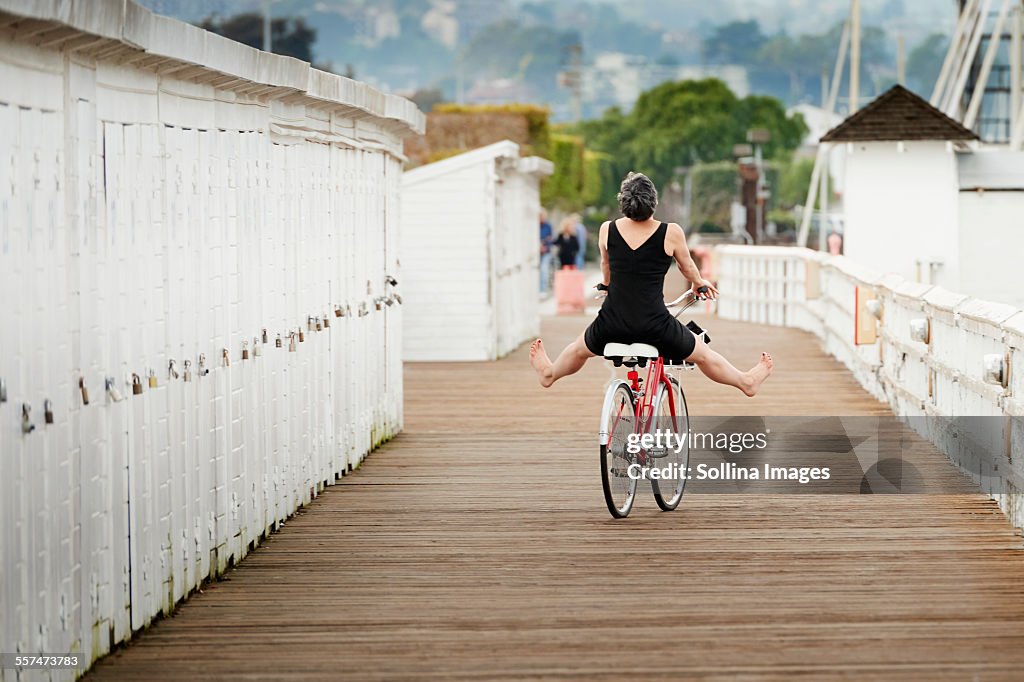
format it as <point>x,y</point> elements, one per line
<point>758,137</point>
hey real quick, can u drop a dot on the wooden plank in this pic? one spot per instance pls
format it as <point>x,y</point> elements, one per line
<point>476,546</point>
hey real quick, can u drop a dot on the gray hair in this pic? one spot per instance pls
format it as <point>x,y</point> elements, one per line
<point>638,197</point>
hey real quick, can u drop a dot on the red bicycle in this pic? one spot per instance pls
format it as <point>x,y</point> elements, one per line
<point>644,423</point>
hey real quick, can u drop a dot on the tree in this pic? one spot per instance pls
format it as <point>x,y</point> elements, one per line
<point>794,179</point>
<point>734,43</point>
<point>759,111</point>
<point>683,121</point>
<point>288,35</point>
<point>680,123</point>
<point>924,63</point>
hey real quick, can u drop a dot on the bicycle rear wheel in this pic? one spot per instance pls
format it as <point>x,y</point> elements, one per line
<point>617,422</point>
<point>672,416</point>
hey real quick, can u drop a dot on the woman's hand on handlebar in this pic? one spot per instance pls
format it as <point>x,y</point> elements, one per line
<point>703,290</point>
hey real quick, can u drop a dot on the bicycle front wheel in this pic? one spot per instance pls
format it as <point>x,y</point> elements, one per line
<point>617,422</point>
<point>672,418</point>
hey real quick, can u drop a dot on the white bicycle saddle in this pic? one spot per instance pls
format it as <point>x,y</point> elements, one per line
<point>630,350</point>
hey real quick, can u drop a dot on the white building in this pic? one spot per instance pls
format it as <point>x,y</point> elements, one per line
<point>469,254</point>
<point>925,200</point>
<point>991,217</point>
<point>901,187</point>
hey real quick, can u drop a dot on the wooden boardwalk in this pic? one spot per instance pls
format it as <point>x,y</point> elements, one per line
<point>476,546</point>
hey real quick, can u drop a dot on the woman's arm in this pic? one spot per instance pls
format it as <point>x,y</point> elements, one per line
<point>681,253</point>
<point>602,243</point>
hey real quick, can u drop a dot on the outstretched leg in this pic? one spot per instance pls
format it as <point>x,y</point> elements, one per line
<point>718,369</point>
<point>569,361</point>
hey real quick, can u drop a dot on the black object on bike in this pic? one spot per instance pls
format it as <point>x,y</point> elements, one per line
<point>697,331</point>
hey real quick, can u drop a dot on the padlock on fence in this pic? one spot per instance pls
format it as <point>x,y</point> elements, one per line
<point>111,386</point>
<point>26,420</point>
<point>186,371</point>
<point>84,390</point>
<point>202,369</point>
<point>277,342</point>
<point>227,358</point>
<point>136,385</point>
<point>291,342</point>
<point>245,350</point>
<point>152,379</point>
<point>264,336</point>
<point>327,321</point>
<point>257,347</point>
<point>48,411</point>
<point>172,371</point>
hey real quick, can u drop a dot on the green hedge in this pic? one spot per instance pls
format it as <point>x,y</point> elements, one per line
<point>598,182</point>
<point>582,177</point>
<point>564,188</point>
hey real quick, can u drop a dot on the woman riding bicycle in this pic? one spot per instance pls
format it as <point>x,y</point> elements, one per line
<point>636,252</point>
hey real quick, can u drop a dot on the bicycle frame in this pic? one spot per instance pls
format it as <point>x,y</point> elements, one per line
<point>645,396</point>
<point>644,405</point>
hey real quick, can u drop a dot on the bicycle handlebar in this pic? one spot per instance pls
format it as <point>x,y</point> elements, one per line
<point>701,295</point>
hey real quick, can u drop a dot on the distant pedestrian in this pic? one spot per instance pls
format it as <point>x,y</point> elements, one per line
<point>567,243</point>
<point>581,238</point>
<point>546,242</point>
<point>835,244</point>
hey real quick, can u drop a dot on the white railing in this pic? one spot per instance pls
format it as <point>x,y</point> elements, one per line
<point>156,211</point>
<point>936,353</point>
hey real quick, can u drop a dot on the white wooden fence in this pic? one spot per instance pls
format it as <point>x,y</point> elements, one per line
<point>937,353</point>
<point>469,254</point>
<point>182,224</point>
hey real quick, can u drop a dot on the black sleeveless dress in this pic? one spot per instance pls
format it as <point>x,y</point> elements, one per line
<point>634,311</point>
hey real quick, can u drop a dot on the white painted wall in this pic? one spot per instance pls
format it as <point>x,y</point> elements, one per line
<point>942,377</point>
<point>470,254</point>
<point>900,206</point>
<point>154,210</point>
<point>991,241</point>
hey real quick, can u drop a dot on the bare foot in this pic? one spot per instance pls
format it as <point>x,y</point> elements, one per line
<point>541,363</point>
<point>755,376</point>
